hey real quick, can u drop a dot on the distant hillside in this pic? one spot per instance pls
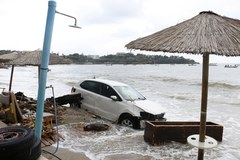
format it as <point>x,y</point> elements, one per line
<point>129,58</point>
<point>34,58</point>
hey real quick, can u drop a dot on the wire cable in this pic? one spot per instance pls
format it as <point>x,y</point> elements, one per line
<point>52,154</point>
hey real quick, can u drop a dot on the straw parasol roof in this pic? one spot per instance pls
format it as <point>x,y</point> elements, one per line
<point>207,32</point>
<point>32,58</point>
<point>8,57</point>
<point>28,58</point>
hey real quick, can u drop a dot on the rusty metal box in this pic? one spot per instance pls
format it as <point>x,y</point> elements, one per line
<point>157,132</point>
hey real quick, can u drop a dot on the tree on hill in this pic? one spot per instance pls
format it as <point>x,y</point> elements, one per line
<point>130,58</point>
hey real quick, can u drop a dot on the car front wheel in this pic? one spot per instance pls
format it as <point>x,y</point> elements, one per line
<point>129,121</point>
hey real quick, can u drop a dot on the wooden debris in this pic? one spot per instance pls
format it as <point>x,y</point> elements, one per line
<point>22,109</point>
<point>67,99</point>
<point>10,111</point>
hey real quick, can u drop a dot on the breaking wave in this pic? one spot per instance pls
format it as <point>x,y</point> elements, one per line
<point>223,85</point>
<point>167,79</point>
<point>71,83</point>
<point>183,97</point>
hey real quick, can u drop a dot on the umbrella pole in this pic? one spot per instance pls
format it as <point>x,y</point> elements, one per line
<point>203,114</point>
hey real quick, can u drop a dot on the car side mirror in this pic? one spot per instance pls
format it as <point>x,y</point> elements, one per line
<point>114,98</point>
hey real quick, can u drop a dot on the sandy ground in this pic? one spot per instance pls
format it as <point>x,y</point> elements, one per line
<point>76,115</point>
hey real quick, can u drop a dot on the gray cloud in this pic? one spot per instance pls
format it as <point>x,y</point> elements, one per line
<point>110,11</point>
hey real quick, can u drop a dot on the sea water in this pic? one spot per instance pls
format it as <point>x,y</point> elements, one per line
<point>177,88</point>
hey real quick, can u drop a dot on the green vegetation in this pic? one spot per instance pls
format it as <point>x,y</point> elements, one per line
<point>119,58</point>
<point>129,58</point>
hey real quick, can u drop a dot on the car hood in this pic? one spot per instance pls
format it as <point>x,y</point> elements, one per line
<point>149,106</point>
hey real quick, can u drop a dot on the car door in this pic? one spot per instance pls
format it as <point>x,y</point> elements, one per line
<point>90,92</point>
<point>107,107</point>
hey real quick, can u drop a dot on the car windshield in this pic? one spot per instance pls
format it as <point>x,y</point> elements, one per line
<point>129,93</point>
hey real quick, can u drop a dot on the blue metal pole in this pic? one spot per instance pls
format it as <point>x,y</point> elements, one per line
<point>44,67</point>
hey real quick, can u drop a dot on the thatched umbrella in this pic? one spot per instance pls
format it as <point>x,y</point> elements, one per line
<point>8,57</point>
<point>27,58</point>
<point>207,33</point>
<point>32,58</point>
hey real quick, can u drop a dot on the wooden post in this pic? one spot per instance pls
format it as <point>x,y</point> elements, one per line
<point>38,74</point>
<point>203,114</point>
<point>13,108</point>
<point>11,78</point>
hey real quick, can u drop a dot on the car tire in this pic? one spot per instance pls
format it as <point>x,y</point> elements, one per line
<point>36,150</point>
<point>32,153</point>
<point>129,121</point>
<point>16,142</point>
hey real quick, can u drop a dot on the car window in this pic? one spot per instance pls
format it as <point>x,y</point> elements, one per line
<point>91,86</point>
<point>129,93</point>
<point>108,91</point>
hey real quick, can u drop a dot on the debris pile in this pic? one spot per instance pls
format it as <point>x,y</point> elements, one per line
<point>18,109</point>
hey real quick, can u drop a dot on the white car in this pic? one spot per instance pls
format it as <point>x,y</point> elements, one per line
<point>117,102</point>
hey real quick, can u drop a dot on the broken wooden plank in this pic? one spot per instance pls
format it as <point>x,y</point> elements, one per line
<point>50,140</point>
<point>67,99</point>
<point>45,142</point>
<point>17,109</point>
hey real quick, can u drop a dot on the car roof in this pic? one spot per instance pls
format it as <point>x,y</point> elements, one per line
<point>108,82</point>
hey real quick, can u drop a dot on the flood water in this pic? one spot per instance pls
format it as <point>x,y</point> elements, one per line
<point>177,88</point>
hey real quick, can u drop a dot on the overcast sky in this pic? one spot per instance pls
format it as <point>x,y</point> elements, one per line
<point>107,25</point>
